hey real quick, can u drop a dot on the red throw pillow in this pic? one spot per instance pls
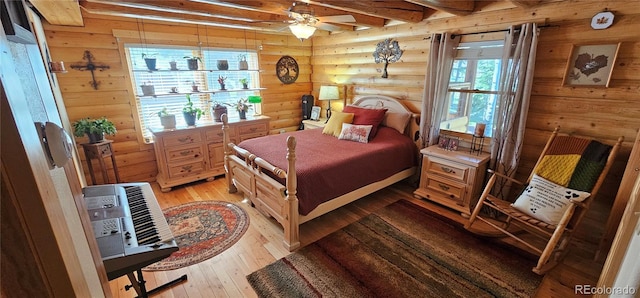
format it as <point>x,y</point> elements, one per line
<point>364,116</point>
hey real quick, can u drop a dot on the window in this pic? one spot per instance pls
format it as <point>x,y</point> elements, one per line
<point>172,86</point>
<point>473,86</point>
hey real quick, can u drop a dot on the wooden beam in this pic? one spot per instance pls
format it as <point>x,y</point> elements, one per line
<point>103,8</point>
<point>282,6</point>
<point>398,10</point>
<point>525,3</point>
<point>60,12</point>
<point>457,7</point>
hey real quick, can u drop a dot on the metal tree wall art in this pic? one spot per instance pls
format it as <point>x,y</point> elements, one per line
<point>387,51</point>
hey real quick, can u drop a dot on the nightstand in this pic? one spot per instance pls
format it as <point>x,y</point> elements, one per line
<point>311,124</point>
<point>452,178</point>
<point>99,151</point>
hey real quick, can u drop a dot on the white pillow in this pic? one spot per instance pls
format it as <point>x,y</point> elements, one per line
<point>547,201</point>
<point>358,133</point>
<point>396,120</point>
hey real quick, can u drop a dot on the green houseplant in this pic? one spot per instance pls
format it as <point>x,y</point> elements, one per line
<point>242,107</point>
<point>167,119</point>
<point>192,62</point>
<point>95,129</point>
<point>245,83</point>
<point>191,113</point>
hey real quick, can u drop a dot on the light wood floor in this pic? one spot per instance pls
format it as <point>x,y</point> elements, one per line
<point>224,274</point>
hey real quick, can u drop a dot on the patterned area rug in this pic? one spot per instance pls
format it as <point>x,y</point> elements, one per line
<point>402,250</point>
<point>202,231</point>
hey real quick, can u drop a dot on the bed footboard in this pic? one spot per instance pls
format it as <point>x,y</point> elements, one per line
<point>247,172</point>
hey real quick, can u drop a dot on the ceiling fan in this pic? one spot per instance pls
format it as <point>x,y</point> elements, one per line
<point>303,21</point>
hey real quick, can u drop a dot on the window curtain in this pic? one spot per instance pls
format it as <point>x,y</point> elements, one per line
<point>513,103</point>
<point>442,51</point>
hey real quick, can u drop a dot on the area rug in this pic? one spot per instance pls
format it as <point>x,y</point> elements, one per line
<point>402,250</point>
<point>202,231</point>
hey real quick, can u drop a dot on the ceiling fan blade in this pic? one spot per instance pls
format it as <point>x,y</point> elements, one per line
<point>337,19</point>
<point>327,27</point>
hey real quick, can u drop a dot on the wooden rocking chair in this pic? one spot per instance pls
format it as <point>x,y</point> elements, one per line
<point>567,164</point>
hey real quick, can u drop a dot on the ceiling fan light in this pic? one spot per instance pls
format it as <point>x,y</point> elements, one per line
<point>302,31</point>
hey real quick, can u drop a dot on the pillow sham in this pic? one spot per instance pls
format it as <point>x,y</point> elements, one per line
<point>547,201</point>
<point>396,120</point>
<point>357,133</point>
<point>334,125</point>
<point>365,116</point>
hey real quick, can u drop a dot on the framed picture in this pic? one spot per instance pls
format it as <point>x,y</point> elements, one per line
<point>315,113</point>
<point>443,142</point>
<point>453,144</point>
<point>590,65</point>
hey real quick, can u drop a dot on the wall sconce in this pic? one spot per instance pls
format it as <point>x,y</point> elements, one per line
<point>256,100</point>
<point>57,67</point>
<point>329,93</point>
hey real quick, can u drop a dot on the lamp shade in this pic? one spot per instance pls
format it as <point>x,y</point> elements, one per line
<point>302,31</point>
<point>329,93</point>
<point>254,99</point>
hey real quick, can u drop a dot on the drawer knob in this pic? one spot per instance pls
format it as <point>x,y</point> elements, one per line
<point>187,168</point>
<point>253,129</point>
<point>185,152</point>
<point>185,139</point>
<point>443,186</point>
<point>220,134</point>
<point>448,170</point>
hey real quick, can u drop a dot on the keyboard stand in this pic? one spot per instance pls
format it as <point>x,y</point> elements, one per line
<point>138,284</point>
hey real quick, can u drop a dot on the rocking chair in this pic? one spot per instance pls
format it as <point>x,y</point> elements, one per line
<point>555,198</point>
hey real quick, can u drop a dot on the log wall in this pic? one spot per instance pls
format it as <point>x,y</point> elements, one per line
<point>115,97</point>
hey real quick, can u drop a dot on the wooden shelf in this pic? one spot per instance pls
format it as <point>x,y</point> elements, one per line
<point>201,92</point>
<point>205,70</point>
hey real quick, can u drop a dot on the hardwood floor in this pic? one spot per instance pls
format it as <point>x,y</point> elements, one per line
<point>224,274</point>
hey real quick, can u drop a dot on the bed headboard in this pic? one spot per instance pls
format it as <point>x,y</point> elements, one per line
<point>392,105</point>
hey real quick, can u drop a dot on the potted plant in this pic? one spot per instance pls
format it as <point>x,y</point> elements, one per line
<point>243,64</point>
<point>218,110</point>
<point>245,83</point>
<point>242,107</point>
<point>192,62</point>
<point>221,80</point>
<point>173,64</point>
<point>191,113</point>
<point>194,87</point>
<point>150,60</point>
<point>167,120</point>
<point>148,88</point>
<point>222,64</point>
<point>95,129</point>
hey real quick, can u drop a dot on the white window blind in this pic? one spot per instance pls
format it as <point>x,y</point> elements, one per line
<point>206,78</point>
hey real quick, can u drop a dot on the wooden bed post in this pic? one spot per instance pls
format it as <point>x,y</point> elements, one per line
<point>291,225</point>
<point>227,152</point>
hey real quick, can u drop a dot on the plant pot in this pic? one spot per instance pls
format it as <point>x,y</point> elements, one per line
<point>243,65</point>
<point>190,118</point>
<point>222,65</point>
<point>168,122</point>
<point>217,113</point>
<point>173,65</point>
<point>194,88</point>
<point>192,64</point>
<point>243,114</point>
<point>95,137</point>
<point>151,63</point>
<point>222,87</point>
<point>245,86</point>
<point>148,90</point>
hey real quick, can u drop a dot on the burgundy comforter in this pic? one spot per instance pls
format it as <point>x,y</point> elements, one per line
<point>328,167</point>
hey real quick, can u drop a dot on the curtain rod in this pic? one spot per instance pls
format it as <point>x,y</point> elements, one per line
<point>490,31</point>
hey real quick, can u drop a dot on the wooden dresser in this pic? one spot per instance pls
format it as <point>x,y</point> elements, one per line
<point>190,154</point>
<point>452,178</point>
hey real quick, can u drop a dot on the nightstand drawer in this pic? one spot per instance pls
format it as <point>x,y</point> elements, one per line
<point>186,169</point>
<point>182,138</point>
<point>446,168</point>
<point>448,189</point>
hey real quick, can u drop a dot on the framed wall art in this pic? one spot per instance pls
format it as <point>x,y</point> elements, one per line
<point>287,69</point>
<point>590,65</point>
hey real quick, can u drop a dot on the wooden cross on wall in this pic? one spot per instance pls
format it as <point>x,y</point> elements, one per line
<point>90,67</point>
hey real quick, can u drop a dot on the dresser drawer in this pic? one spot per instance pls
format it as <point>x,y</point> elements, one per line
<point>214,134</point>
<point>182,138</point>
<point>255,128</point>
<point>187,169</point>
<point>446,168</point>
<point>183,153</point>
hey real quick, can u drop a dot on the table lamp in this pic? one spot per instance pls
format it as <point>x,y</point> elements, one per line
<point>329,93</point>
<point>257,107</point>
